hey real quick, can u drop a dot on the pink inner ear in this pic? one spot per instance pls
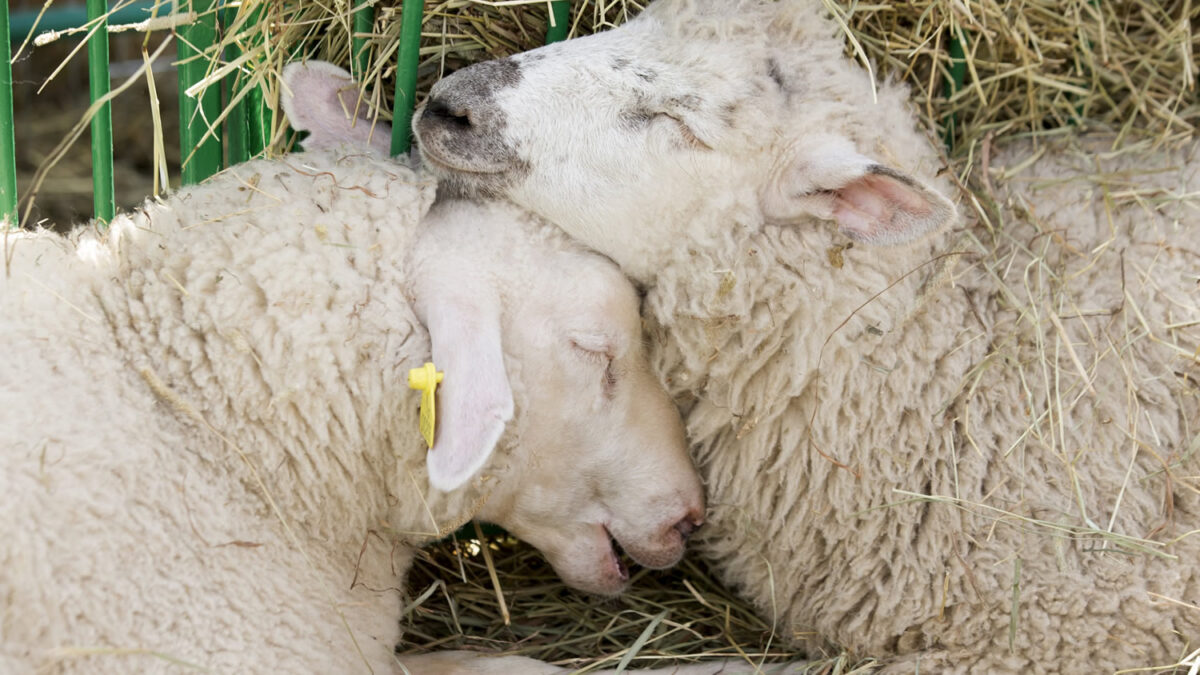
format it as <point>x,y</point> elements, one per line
<point>318,100</point>
<point>881,209</point>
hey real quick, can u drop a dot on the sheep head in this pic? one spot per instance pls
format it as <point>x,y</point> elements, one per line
<point>548,397</point>
<point>542,349</point>
<point>690,117</point>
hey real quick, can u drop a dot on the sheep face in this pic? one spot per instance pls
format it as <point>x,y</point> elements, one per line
<point>629,139</point>
<point>549,339</point>
<point>602,450</point>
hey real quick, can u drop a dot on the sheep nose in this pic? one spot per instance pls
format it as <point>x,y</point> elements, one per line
<point>462,126</point>
<point>466,100</point>
<point>439,111</point>
<point>689,524</point>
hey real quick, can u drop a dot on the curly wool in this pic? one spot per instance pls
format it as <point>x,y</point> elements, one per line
<point>889,471</point>
<point>972,452</point>
<point>168,398</point>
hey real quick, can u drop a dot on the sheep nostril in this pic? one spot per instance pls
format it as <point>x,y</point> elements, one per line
<point>437,109</point>
<point>687,526</point>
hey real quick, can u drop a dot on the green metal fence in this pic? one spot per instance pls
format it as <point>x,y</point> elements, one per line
<point>245,129</point>
<point>8,146</point>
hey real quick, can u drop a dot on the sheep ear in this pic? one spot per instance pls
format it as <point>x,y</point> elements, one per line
<point>827,178</point>
<point>475,400</point>
<point>324,100</point>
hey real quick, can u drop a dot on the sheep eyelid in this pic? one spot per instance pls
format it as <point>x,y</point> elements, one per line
<point>591,355</point>
<point>598,358</point>
<point>689,136</point>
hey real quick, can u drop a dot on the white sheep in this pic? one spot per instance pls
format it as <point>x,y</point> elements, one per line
<point>902,455</point>
<point>209,455</point>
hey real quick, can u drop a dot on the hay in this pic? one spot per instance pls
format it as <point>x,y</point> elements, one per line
<point>1026,65</point>
<point>1128,67</point>
<point>670,617</point>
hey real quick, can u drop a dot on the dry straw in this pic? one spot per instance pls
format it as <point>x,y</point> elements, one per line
<point>1024,65</point>
<point>1031,67</point>
<point>975,68</point>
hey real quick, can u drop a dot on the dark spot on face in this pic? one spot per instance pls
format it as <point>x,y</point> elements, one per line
<point>636,119</point>
<point>776,73</point>
<point>461,126</point>
<point>483,79</point>
<point>530,58</point>
<point>620,63</point>
<point>729,114</point>
<point>690,102</point>
<point>645,74</point>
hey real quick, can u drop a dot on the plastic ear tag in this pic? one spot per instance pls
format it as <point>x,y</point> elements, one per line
<point>426,379</point>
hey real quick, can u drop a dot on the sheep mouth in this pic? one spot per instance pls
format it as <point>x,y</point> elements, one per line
<point>617,556</point>
<point>443,164</point>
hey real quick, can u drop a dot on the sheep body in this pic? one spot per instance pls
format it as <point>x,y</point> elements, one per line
<point>953,458</point>
<point>209,457</point>
<point>117,485</point>
<point>969,452</point>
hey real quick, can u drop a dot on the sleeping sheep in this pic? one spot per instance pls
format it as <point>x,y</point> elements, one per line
<point>955,449</point>
<point>209,455</point>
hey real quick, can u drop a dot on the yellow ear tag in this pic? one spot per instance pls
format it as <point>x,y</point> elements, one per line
<point>426,379</point>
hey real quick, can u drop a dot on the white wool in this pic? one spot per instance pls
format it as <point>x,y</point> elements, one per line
<point>822,435</point>
<point>209,456</point>
<point>893,464</point>
<point>169,384</point>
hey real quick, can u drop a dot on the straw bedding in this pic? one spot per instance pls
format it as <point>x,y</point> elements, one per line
<point>1037,68</point>
<point>1025,65</point>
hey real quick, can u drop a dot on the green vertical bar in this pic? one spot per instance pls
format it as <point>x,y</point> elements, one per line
<point>258,117</point>
<point>560,21</point>
<point>958,76</point>
<point>103,204</point>
<point>237,127</point>
<point>406,75</point>
<point>201,159</point>
<point>8,149</point>
<point>258,122</point>
<point>364,22</point>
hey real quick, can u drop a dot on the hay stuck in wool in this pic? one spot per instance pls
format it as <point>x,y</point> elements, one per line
<point>1039,68</point>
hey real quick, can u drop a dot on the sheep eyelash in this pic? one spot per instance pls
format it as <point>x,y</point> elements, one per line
<point>600,358</point>
<point>689,137</point>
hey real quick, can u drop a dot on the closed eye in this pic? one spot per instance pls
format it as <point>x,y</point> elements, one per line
<point>689,137</point>
<point>600,359</point>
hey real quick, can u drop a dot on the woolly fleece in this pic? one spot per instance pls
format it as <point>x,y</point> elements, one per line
<point>209,457</point>
<point>901,455</point>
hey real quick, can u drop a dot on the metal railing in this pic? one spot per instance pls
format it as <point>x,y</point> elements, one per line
<point>245,127</point>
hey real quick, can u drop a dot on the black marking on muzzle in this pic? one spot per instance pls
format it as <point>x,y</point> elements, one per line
<point>461,129</point>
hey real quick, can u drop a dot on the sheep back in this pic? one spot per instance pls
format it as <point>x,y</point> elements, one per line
<point>1012,416</point>
<point>199,391</point>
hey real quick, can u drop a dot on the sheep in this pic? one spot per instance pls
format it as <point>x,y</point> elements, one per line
<point>957,448</point>
<point>210,458</point>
